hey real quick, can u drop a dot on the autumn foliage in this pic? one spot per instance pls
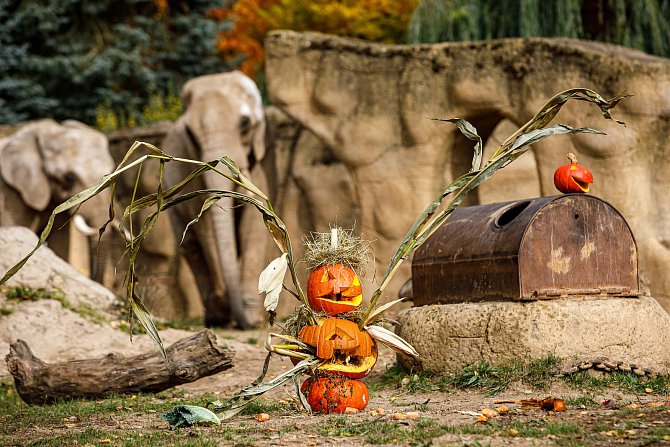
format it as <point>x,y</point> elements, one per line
<point>383,21</point>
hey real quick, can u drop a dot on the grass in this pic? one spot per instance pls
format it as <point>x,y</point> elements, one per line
<point>538,374</point>
<point>24,293</point>
<point>127,323</point>
<point>626,381</point>
<point>265,406</point>
<point>135,421</point>
<point>384,431</point>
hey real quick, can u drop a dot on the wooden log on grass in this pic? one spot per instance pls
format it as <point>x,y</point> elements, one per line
<point>189,359</point>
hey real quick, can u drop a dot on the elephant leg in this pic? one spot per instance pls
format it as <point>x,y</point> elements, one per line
<point>224,241</point>
<point>212,292</point>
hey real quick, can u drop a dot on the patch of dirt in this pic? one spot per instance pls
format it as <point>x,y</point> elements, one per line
<point>446,418</point>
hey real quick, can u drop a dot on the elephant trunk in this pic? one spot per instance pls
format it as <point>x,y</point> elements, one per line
<point>223,222</point>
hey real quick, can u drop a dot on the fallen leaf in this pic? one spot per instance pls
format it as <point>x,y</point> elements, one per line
<point>412,415</point>
<point>655,404</point>
<point>513,432</point>
<point>398,416</point>
<point>502,409</point>
<point>482,418</point>
<point>350,410</point>
<point>469,413</point>
<point>263,417</point>
<point>648,390</point>
<point>489,413</point>
<point>633,406</point>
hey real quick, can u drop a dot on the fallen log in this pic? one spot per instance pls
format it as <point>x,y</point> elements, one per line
<point>189,359</point>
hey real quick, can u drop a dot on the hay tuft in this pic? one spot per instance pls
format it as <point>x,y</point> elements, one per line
<point>350,250</point>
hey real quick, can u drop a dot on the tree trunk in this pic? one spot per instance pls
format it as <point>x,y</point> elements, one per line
<point>189,359</point>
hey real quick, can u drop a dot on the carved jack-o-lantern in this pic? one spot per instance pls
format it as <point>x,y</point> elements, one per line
<point>350,351</point>
<point>334,289</point>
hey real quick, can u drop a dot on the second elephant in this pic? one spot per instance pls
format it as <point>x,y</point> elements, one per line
<point>226,249</point>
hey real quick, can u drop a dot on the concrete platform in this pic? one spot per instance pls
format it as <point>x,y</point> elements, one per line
<point>452,336</point>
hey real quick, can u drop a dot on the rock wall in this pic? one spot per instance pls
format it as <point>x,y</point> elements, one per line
<point>369,105</point>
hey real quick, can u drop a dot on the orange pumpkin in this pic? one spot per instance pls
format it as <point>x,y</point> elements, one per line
<point>352,352</point>
<point>334,289</point>
<point>572,177</point>
<point>335,394</point>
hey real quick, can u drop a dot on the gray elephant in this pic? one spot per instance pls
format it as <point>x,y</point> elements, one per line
<point>226,249</point>
<point>43,164</point>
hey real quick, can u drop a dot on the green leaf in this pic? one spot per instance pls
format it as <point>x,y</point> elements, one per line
<point>470,132</point>
<point>188,415</point>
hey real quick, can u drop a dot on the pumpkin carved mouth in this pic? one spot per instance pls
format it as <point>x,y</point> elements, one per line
<point>581,181</point>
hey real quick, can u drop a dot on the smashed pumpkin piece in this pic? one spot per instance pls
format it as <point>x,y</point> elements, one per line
<point>546,404</point>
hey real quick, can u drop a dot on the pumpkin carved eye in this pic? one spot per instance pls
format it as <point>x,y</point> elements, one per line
<point>334,289</point>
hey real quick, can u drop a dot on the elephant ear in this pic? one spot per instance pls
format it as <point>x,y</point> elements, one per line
<point>187,93</point>
<point>258,142</point>
<point>178,139</point>
<point>21,167</point>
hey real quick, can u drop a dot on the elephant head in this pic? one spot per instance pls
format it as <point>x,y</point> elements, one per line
<point>44,163</point>
<point>223,115</point>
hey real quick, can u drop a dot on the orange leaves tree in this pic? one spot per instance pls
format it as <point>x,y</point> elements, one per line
<point>383,21</point>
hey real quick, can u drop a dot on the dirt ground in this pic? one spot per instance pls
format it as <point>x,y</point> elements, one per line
<point>55,332</point>
<point>444,418</point>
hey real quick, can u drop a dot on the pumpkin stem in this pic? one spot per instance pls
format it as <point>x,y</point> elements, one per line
<point>572,158</point>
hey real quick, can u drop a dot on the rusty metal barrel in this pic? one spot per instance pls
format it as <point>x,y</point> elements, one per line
<point>542,248</point>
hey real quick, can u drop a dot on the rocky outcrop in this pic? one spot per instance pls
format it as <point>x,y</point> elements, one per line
<point>370,106</point>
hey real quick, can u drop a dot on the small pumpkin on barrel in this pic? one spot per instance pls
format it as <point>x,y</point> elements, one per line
<point>572,177</point>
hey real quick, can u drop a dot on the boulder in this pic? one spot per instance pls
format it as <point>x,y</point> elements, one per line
<point>450,337</point>
<point>72,318</point>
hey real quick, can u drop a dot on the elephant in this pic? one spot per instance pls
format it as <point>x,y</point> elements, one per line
<point>371,105</point>
<point>43,164</point>
<point>223,115</point>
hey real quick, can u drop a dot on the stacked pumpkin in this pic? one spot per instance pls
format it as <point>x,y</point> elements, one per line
<point>349,352</point>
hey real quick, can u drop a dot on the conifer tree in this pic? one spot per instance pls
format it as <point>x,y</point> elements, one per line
<point>640,24</point>
<point>65,58</point>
